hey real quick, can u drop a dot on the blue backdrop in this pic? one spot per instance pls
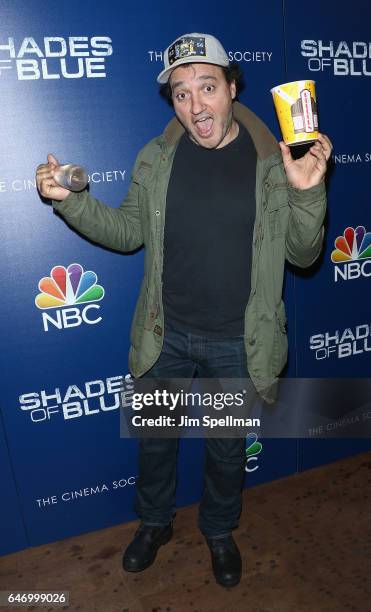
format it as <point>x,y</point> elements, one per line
<point>82,84</point>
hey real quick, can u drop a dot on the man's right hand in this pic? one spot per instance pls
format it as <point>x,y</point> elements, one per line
<point>46,184</point>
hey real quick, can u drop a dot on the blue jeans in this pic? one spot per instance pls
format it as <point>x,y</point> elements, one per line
<point>183,356</point>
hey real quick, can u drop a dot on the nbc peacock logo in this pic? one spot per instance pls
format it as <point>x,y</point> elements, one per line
<point>71,290</point>
<point>253,448</point>
<point>352,255</point>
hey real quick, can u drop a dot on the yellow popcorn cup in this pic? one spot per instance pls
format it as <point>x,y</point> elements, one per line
<point>296,108</point>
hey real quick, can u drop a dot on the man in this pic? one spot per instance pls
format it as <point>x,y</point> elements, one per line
<point>211,300</point>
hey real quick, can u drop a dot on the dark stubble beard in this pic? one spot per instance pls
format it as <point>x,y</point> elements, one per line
<point>229,126</point>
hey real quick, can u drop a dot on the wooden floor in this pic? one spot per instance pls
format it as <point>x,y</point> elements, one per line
<point>305,542</point>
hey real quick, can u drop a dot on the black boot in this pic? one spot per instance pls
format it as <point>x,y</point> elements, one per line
<point>226,560</point>
<point>142,551</point>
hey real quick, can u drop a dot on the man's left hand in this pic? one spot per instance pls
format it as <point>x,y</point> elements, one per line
<point>310,169</point>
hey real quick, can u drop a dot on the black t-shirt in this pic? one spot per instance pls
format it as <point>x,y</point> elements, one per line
<point>210,213</point>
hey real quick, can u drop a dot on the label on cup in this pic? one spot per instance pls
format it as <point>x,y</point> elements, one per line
<point>307,110</point>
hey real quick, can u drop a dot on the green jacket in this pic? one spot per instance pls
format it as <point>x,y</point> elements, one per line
<point>288,225</point>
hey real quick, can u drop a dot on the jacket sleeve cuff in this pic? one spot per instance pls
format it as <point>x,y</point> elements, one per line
<point>74,202</point>
<point>303,197</point>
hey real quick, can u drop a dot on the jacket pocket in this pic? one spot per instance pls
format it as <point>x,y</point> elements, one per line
<point>142,178</point>
<point>278,213</point>
<point>142,174</point>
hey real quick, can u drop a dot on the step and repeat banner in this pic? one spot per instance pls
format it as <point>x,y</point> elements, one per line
<point>333,331</point>
<point>82,85</point>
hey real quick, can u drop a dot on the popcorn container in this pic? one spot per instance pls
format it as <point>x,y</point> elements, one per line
<point>296,108</point>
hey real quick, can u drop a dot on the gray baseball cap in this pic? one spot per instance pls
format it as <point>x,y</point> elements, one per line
<point>189,48</point>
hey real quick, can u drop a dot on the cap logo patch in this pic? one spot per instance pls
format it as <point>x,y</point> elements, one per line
<point>187,46</point>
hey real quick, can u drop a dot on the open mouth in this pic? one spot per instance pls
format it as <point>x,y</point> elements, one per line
<point>204,126</point>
